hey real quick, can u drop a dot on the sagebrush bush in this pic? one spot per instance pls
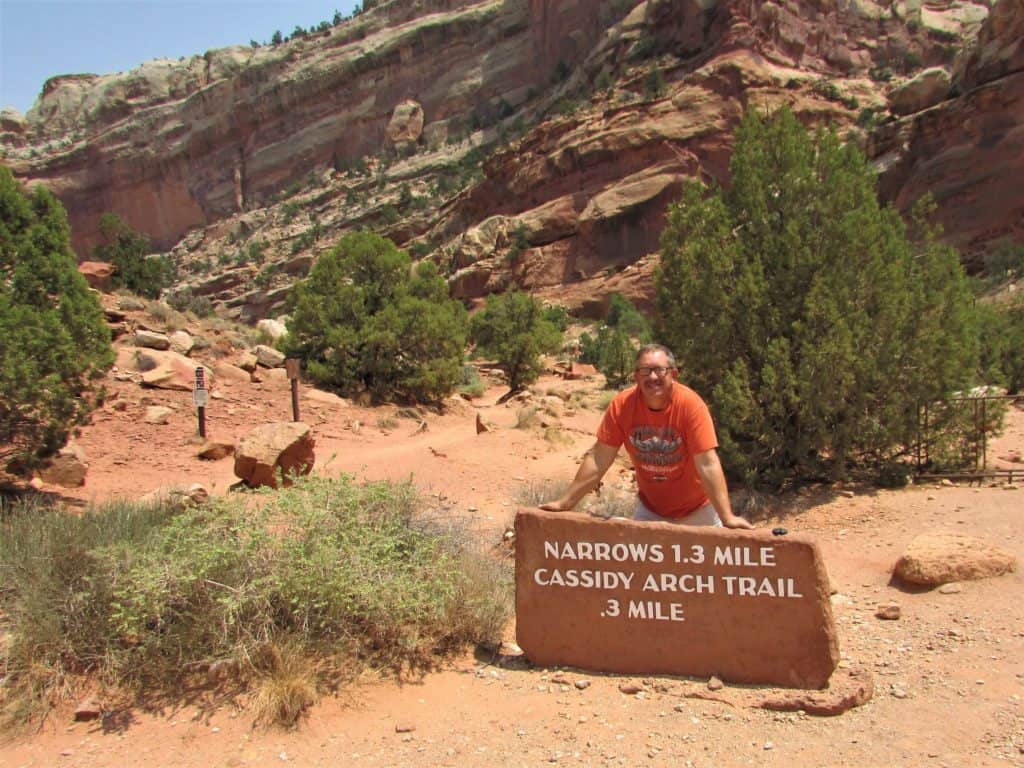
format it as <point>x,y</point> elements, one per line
<point>355,574</point>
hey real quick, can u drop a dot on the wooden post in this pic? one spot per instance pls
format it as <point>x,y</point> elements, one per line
<point>292,367</point>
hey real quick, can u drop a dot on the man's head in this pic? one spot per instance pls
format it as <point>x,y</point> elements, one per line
<point>654,372</point>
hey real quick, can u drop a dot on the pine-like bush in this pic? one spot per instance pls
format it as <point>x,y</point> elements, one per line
<point>805,312</point>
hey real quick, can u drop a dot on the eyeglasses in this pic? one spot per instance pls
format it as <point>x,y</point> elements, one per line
<point>660,371</point>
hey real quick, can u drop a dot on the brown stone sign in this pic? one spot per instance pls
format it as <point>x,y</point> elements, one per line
<point>656,598</point>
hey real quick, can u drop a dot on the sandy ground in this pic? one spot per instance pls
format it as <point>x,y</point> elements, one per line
<point>949,674</point>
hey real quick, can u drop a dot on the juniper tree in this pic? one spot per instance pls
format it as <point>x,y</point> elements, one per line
<point>515,330</point>
<point>130,251</point>
<point>55,340</point>
<point>814,324</point>
<point>365,320</point>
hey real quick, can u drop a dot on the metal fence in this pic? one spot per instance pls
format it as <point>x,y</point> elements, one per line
<point>978,417</point>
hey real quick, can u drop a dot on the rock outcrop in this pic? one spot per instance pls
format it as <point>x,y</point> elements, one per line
<point>67,469</point>
<point>274,453</point>
<point>583,118</point>
<point>968,151</point>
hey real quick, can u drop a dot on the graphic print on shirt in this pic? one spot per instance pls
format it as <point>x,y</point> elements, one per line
<point>658,449</point>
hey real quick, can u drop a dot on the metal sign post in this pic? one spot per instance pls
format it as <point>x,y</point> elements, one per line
<point>291,366</point>
<point>201,396</point>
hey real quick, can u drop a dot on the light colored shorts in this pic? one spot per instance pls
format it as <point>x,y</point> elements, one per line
<point>705,515</point>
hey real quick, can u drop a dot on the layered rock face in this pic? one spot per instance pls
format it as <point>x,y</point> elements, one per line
<point>618,102</point>
<point>176,145</point>
<point>968,150</point>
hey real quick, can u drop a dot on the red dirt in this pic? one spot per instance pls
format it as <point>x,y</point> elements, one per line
<point>948,674</point>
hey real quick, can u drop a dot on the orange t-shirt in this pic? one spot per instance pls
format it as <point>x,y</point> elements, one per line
<point>662,445</point>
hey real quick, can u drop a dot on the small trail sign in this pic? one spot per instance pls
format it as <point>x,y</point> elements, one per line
<point>200,397</point>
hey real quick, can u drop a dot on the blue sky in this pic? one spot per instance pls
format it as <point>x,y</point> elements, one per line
<point>42,38</point>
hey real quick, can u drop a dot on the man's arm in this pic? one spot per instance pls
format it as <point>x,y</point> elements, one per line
<point>588,477</point>
<point>709,469</point>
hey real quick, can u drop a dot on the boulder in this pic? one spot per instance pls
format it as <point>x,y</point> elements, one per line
<point>247,362</point>
<point>98,274</point>
<point>581,371</point>
<point>181,342</point>
<point>67,469</point>
<point>162,369</point>
<point>268,357</point>
<point>273,451</point>
<point>925,90</point>
<point>406,124</point>
<point>275,329</point>
<point>89,708</point>
<point>151,340</point>
<point>326,398</point>
<point>157,414</point>
<point>942,556</point>
<point>229,372</point>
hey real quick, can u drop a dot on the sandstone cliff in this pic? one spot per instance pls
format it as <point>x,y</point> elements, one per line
<point>528,141</point>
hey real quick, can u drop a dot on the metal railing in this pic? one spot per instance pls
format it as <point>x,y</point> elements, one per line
<point>975,441</point>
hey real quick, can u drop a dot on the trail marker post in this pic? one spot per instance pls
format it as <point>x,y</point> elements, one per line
<point>291,366</point>
<point>201,396</point>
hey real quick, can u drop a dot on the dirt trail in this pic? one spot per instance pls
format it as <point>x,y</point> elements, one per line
<point>949,674</point>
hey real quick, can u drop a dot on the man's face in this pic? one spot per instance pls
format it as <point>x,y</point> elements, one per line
<point>656,389</point>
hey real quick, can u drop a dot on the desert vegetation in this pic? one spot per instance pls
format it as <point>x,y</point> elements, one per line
<point>138,269</point>
<point>813,319</point>
<point>55,341</point>
<point>276,596</point>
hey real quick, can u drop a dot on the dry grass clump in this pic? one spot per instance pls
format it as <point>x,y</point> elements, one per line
<point>285,685</point>
<point>288,588</point>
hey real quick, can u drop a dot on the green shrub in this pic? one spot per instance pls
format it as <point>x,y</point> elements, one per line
<point>365,321</point>
<point>612,352</point>
<point>348,575</point>
<point>185,301</point>
<point>290,210</point>
<point>805,313</point>
<point>55,340</point>
<point>471,384</point>
<point>557,316</point>
<point>1005,260</point>
<point>514,330</point>
<point>127,250</point>
<point>623,315</point>
<point>1002,344</point>
<point>654,84</point>
<point>881,74</point>
<point>643,48</point>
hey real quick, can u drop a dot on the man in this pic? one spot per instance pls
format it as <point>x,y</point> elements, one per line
<point>669,435</point>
